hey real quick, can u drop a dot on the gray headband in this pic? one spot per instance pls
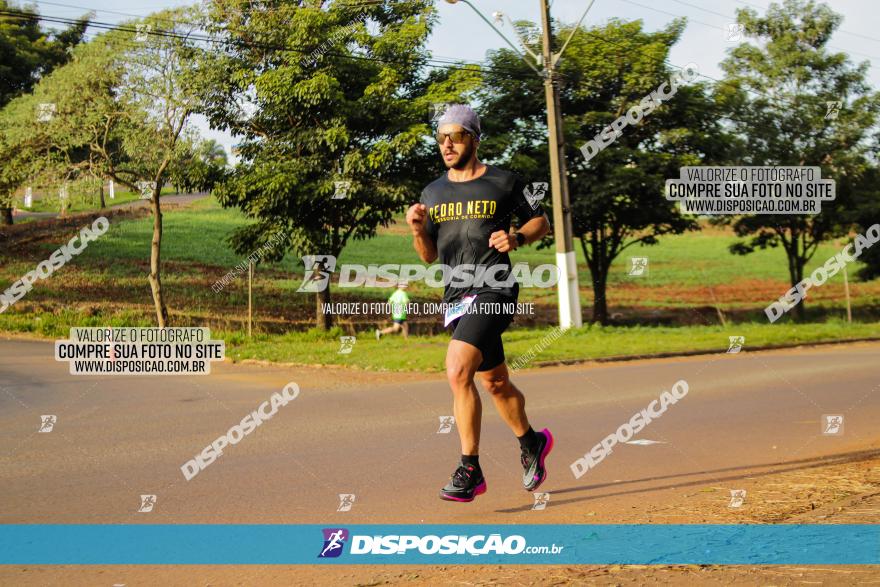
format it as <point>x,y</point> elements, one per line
<point>463,115</point>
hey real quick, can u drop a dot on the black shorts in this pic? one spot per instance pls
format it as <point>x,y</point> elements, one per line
<point>483,324</point>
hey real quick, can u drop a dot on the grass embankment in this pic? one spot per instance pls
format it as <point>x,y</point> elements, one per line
<point>106,285</point>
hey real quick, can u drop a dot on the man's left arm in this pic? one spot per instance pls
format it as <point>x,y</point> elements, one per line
<point>531,231</point>
<point>532,220</point>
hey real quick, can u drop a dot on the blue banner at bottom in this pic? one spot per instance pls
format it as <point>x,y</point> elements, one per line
<point>187,544</point>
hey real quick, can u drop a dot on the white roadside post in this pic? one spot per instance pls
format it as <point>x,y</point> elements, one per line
<point>112,190</point>
<point>250,295</point>
<point>63,197</point>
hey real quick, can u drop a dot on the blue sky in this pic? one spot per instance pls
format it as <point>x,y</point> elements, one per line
<point>461,34</point>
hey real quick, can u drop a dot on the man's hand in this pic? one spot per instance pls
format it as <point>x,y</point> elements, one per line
<point>503,241</point>
<point>415,217</point>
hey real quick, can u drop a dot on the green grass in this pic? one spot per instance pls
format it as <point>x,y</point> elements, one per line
<point>198,234</point>
<point>694,261</point>
<point>426,353</point>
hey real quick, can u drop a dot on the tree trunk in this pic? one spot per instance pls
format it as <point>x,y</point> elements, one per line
<point>155,260</point>
<point>600,304</point>
<point>796,264</point>
<point>6,215</point>
<point>101,194</point>
<point>796,272</point>
<point>324,319</point>
<point>600,280</point>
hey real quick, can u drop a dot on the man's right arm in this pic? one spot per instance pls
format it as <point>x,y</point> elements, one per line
<point>422,241</point>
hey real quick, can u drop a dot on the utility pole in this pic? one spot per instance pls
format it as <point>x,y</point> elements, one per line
<point>566,262</point>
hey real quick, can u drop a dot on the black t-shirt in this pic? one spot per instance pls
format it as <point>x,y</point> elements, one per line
<point>463,214</point>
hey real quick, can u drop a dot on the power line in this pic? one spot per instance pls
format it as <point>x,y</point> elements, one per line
<point>841,30</point>
<point>670,64</point>
<point>439,58</point>
<point>430,62</point>
<point>434,62</point>
<point>733,18</point>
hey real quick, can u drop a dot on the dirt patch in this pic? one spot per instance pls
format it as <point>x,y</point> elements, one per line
<point>397,229</point>
<point>53,229</point>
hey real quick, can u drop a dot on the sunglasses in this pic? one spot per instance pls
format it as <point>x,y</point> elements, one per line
<point>456,137</point>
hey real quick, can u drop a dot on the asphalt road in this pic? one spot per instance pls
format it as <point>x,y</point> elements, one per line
<point>375,436</point>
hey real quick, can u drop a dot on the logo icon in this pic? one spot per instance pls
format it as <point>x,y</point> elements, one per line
<point>147,189</point>
<point>736,344</point>
<point>45,112</point>
<point>346,500</point>
<point>334,540</point>
<point>318,270</point>
<point>832,424</point>
<point>541,501</point>
<point>446,424</point>
<point>341,190</point>
<point>436,111</point>
<point>735,32</point>
<point>737,497</point>
<point>346,344</point>
<point>47,423</point>
<point>147,503</point>
<point>535,193</point>
<point>833,109</point>
<point>638,266</point>
<point>142,32</point>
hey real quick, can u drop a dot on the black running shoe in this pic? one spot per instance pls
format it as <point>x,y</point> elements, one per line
<point>534,472</point>
<point>466,484</point>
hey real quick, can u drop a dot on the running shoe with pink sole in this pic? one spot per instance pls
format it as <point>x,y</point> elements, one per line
<point>466,484</point>
<point>534,472</point>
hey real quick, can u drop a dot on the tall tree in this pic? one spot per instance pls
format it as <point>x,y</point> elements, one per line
<point>122,111</point>
<point>866,213</point>
<point>792,102</point>
<point>617,194</point>
<point>27,52</point>
<point>319,93</point>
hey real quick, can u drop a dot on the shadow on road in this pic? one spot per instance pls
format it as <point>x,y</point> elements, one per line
<point>735,473</point>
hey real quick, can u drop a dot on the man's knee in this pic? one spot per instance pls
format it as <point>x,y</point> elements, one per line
<point>458,373</point>
<point>497,384</point>
<point>461,364</point>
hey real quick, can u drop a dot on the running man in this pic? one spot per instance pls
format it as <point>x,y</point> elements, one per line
<point>334,542</point>
<point>398,302</point>
<point>464,218</point>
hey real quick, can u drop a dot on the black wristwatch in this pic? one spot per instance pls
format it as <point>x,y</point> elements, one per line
<point>520,239</point>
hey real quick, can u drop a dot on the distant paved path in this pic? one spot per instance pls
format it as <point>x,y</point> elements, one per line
<point>176,199</point>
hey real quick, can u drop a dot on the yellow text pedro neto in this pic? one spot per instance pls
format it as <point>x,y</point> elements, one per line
<point>469,210</point>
